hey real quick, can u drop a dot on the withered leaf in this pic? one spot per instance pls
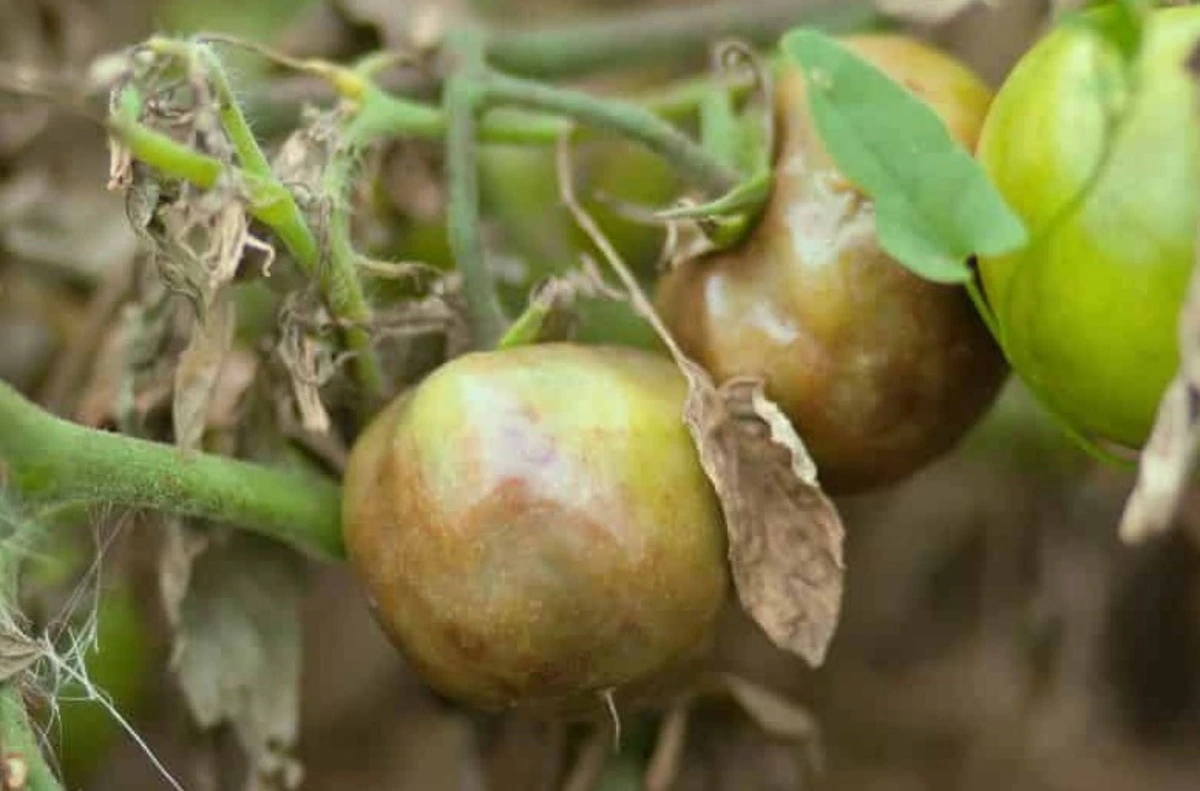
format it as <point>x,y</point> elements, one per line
<point>308,367</point>
<point>1169,456</point>
<point>199,369</point>
<point>785,535</point>
<point>237,649</point>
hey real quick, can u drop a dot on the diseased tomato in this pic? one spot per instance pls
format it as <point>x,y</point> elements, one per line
<point>879,370</point>
<point>534,528</point>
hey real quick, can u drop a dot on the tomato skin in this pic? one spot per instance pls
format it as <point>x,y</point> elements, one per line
<point>534,528</point>
<point>879,370</point>
<point>1088,311</point>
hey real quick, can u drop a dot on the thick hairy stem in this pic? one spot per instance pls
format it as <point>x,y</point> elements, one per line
<point>627,118</point>
<point>664,35</point>
<point>22,756</point>
<point>52,461</point>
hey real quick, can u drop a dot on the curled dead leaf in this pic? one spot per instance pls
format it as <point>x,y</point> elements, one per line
<point>199,370</point>
<point>237,643</point>
<point>785,534</point>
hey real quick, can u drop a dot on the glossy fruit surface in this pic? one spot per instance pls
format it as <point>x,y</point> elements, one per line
<point>1088,311</point>
<point>879,370</point>
<point>534,528</point>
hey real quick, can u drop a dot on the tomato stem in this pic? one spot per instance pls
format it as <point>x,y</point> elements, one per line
<point>51,461</point>
<point>663,35</point>
<point>20,747</point>
<point>626,118</point>
<point>463,100</point>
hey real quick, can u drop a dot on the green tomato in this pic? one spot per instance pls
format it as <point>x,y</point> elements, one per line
<point>1087,312</point>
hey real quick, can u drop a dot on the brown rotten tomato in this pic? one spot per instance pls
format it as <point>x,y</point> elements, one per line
<point>879,370</point>
<point>534,528</point>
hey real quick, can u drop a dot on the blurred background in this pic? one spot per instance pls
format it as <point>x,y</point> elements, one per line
<point>995,634</point>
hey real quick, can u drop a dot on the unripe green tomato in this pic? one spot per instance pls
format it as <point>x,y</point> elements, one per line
<point>534,529</point>
<point>1088,311</point>
<point>879,370</point>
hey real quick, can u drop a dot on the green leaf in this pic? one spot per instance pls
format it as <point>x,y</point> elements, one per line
<point>934,205</point>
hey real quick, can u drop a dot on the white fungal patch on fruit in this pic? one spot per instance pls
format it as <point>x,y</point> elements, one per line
<point>824,215</point>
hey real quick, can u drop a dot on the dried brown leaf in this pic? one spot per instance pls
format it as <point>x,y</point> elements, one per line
<point>785,535</point>
<point>199,370</point>
<point>237,375</point>
<point>308,368</point>
<point>237,648</point>
<point>1169,456</point>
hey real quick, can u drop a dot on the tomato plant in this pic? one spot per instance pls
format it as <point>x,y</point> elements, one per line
<point>1102,159</point>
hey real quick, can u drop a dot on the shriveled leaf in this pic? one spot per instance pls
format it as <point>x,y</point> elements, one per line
<point>237,375</point>
<point>308,368</point>
<point>199,370</point>
<point>928,12</point>
<point>237,648</point>
<point>935,207</point>
<point>785,535</point>
<point>1169,456</point>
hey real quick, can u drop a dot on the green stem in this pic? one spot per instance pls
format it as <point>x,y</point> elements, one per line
<point>667,35</point>
<point>624,117</point>
<point>340,284</point>
<point>18,741</point>
<point>50,460</point>
<point>384,115</point>
<point>339,279</point>
<point>463,101</point>
<point>230,111</point>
